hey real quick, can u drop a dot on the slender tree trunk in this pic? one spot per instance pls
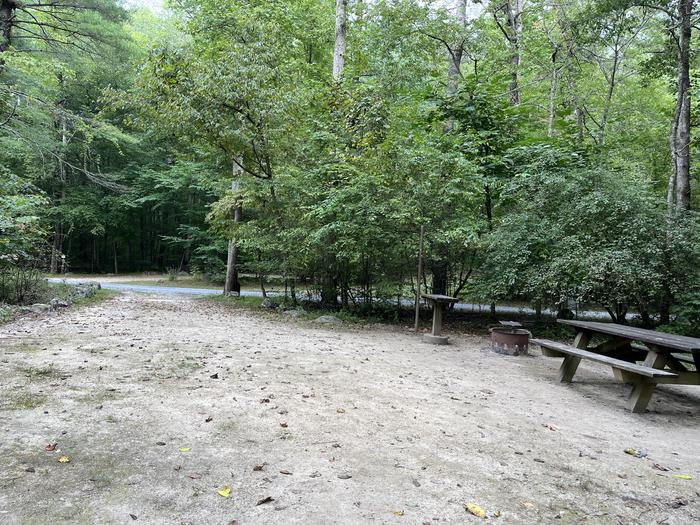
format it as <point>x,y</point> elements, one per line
<point>341,30</point>
<point>671,193</point>
<point>681,150</point>
<point>440,267</point>
<point>62,123</point>
<point>232,283</point>
<point>454,62</point>
<point>515,25</point>
<point>612,84</point>
<point>56,247</point>
<point>554,86</point>
<point>7,8</point>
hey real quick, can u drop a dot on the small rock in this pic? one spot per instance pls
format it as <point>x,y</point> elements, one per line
<point>315,474</point>
<point>268,303</point>
<point>345,475</point>
<point>40,308</point>
<point>29,469</point>
<point>59,303</point>
<point>329,319</point>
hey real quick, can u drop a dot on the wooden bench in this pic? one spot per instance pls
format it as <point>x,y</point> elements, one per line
<point>643,377</point>
<point>556,349</point>
<point>681,358</point>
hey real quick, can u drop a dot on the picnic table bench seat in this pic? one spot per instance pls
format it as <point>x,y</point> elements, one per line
<point>556,349</point>
<point>664,358</point>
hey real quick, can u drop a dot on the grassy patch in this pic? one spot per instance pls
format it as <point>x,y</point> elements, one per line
<point>100,296</point>
<point>190,363</point>
<point>43,372</point>
<point>246,303</point>
<point>23,401</point>
<point>99,397</point>
<point>253,303</point>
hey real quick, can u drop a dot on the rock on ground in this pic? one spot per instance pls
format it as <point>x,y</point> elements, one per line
<point>328,319</point>
<point>161,402</point>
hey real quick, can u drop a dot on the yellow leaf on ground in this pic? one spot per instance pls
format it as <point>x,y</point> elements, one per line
<point>399,513</point>
<point>225,492</point>
<point>64,459</point>
<point>185,449</point>
<point>475,509</point>
<point>682,476</point>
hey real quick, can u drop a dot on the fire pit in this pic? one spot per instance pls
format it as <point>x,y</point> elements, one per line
<point>510,338</point>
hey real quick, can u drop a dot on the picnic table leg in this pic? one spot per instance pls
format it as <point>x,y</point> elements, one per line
<point>643,389</point>
<point>570,365</point>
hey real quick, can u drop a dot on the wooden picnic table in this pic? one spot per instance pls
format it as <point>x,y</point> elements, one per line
<point>667,358</point>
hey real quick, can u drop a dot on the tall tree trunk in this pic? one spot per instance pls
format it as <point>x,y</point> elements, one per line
<point>232,283</point>
<point>454,61</point>
<point>515,25</point>
<point>62,124</point>
<point>7,8</point>
<point>682,138</point>
<point>612,84</point>
<point>553,87</point>
<point>440,267</point>
<point>341,30</point>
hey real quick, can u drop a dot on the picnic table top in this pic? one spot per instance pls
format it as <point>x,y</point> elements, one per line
<point>439,298</point>
<point>671,341</point>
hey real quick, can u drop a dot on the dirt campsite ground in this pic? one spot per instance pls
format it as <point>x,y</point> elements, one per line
<point>161,403</point>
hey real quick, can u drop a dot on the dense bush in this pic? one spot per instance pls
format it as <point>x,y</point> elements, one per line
<point>593,235</point>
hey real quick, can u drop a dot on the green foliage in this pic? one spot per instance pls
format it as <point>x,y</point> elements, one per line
<point>591,234</point>
<point>133,153</point>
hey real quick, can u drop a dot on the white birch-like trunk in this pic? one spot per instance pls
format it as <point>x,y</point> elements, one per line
<point>341,31</point>
<point>682,135</point>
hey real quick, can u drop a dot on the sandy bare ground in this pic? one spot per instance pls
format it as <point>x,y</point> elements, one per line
<point>349,426</point>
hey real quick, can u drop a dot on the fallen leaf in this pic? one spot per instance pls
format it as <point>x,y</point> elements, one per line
<point>225,491</point>
<point>185,449</point>
<point>268,499</point>
<point>284,425</point>
<point>399,513</point>
<point>475,509</point>
<point>657,466</point>
<point>259,468</point>
<point>209,419</point>
<point>528,504</point>
<point>194,475</point>
<point>64,459</point>
<point>341,411</point>
<point>285,472</point>
<point>682,476</point>
<point>214,376</point>
<point>133,517</point>
<point>50,447</point>
<point>636,453</point>
<point>497,514</point>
